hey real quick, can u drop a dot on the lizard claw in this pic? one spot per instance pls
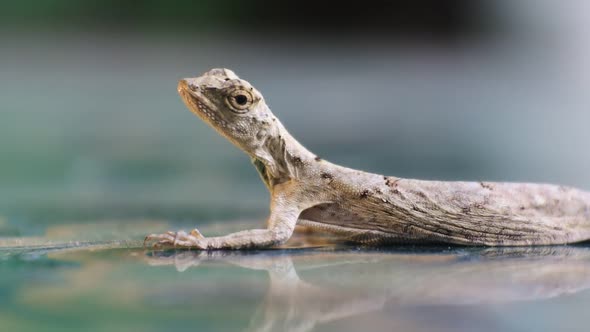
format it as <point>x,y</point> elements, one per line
<point>195,232</point>
<point>159,238</point>
<point>178,239</point>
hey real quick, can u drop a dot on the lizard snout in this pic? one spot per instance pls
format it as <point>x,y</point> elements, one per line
<point>187,85</point>
<point>182,86</point>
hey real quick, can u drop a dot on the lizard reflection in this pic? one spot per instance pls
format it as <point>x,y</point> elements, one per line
<point>308,288</point>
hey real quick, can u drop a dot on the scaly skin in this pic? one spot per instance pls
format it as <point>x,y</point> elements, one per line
<point>364,207</point>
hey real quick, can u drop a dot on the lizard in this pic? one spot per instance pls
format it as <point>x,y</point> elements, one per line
<point>362,207</point>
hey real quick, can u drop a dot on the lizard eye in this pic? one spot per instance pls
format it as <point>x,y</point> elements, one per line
<point>240,100</point>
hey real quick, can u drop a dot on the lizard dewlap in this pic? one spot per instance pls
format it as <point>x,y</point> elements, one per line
<point>364,207</point>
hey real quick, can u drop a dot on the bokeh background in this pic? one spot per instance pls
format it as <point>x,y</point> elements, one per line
<point>91,127</point>
<point>97,149</point>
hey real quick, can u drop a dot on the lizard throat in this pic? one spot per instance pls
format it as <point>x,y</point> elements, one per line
<point>280,158</point>
<point>262,171</point>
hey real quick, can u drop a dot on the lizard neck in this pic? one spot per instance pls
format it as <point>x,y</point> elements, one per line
<point>280,157</point>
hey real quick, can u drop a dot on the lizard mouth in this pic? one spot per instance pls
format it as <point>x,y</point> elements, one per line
<point>196,102</point>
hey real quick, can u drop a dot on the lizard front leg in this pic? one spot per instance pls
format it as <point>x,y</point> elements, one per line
<point>280,226</point>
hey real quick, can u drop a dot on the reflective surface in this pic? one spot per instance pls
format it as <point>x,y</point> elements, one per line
<point>48,284</point>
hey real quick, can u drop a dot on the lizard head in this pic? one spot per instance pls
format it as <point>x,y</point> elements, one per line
<point>231,106</point>
<point>238,112</point>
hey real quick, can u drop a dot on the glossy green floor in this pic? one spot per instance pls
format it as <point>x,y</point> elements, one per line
<point>50,283</point>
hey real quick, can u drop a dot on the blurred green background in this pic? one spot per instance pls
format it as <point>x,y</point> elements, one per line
<point>97,150</point>
<point>91,127</point>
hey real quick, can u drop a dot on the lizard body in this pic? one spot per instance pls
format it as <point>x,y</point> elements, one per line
<point>364,207</point>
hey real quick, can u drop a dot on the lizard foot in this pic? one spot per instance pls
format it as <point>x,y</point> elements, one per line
<point>178,239</point>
